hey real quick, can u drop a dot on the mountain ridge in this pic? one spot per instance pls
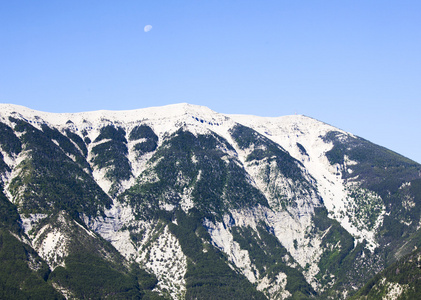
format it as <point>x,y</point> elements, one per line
<point>280,206</point>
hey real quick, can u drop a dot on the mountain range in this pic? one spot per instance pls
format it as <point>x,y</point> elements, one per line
<point>181,202</point>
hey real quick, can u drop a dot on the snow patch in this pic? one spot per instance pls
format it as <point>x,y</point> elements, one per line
<point>51,245</point>
<point>404,185</point>
<point>168,262</point>
<point>274,289</point>
<point>223,239</point>
<point>87,231</point>
<point>32,220</point>
<point>293,232</point>
<point>112,227</point>
<point>393,289</point>
<point>186,202</point>
<point>100,178</point>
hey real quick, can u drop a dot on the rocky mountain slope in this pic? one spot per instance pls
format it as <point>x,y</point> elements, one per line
<point>181,202</point>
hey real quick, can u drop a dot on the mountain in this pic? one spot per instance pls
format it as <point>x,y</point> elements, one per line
<point>401,280</point>
<point>181,202</point>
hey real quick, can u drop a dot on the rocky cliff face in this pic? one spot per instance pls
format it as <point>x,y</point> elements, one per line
<point>184,202</point>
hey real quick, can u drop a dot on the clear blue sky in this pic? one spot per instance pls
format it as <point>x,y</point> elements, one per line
<point>353,64</point>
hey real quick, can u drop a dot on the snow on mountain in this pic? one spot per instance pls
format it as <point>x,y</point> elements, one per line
<point>165,119</point>
<point>288,131</point>
<point>297,131</point>
<point>166,259</point>
<point>289,215</point>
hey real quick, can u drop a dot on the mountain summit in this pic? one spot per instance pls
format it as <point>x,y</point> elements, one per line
<point>181,202</point>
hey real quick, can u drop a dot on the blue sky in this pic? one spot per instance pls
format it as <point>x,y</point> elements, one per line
<point>353,64</point>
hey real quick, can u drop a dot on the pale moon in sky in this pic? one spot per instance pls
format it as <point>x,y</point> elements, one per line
<point>147,28</point>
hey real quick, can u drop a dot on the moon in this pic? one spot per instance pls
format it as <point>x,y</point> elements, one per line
<point>147,28</point>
